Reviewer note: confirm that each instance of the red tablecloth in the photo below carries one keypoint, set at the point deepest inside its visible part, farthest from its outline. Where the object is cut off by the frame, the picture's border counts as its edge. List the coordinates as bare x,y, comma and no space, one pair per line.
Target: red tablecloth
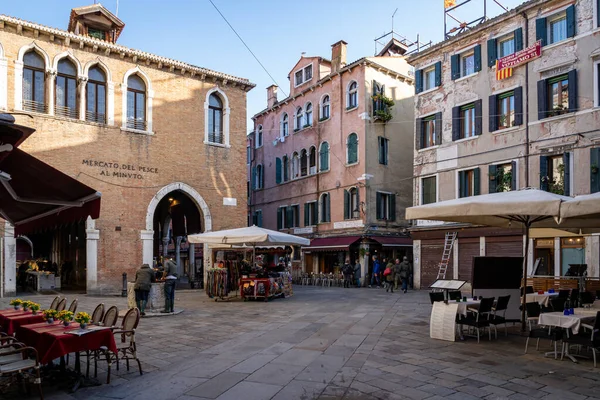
12,319
53,341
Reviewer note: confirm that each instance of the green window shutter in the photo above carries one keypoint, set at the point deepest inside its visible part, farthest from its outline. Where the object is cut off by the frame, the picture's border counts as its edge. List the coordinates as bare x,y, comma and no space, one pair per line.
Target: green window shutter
478,117
518,93
542,98
493,111
418,81
253,178
438,128
477,54
477,181
306,215
571,21
572,90
279,217
315,215
544,173
392,207
513,175
381,150
462,185
418,133
594,177
492,50
567,176
259,220
278,170
518,39
328,209
378,207
289,217
346,204
438,73
455,123
352,149
455,66
261,178
493,183
540,31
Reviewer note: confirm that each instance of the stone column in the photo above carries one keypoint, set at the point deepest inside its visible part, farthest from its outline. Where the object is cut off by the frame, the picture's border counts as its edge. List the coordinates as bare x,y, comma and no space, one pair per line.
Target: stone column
592,248
178,256
455,261
18,71
192,260
110,103
92,236
147,237
417,264
50,86
3,83
557,263
10,261
81,85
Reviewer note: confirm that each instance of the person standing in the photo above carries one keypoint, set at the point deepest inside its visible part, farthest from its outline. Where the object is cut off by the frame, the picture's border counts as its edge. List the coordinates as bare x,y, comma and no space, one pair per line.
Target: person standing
347,270
357,273
390,269
375,277
397,278
405,271
170,275
144,277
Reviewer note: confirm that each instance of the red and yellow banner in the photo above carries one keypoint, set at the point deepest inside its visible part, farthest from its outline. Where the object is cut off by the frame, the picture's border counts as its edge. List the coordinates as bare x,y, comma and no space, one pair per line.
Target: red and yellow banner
449,3
503,73
505,65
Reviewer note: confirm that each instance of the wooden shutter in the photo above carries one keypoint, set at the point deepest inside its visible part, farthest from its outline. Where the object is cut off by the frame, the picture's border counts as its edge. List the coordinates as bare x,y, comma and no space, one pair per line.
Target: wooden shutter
315,215
594,163
438,128
328,209
455,66
289,217
513,175
418,133
478,117
418,81
352,149
477,54
493,182
381,150
571,21
542,97
477,181
540,31
306,215
544,173
518,105
518,39
346,204
567,177
259,220
438,73
492,49
572,90
455,123
378,206
278,170
392,198
461,184
493,111
279,217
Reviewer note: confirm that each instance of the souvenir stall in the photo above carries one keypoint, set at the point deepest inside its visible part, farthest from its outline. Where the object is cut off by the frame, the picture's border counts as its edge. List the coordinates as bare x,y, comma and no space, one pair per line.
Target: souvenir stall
261,283
222,279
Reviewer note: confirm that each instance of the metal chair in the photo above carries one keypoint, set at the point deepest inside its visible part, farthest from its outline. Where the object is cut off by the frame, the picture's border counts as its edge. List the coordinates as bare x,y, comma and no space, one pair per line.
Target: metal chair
496,319
61,304
587,298
554,334
436,296
574,298
480,319
564,293
558,304
586,339
454,295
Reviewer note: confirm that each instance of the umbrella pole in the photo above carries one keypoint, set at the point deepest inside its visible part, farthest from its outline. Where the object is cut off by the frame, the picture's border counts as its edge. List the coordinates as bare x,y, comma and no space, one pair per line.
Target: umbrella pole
254,255
525,259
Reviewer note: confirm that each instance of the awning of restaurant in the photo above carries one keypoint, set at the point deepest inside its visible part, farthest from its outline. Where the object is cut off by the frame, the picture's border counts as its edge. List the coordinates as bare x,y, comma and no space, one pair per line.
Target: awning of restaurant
340,243
34,195
391,241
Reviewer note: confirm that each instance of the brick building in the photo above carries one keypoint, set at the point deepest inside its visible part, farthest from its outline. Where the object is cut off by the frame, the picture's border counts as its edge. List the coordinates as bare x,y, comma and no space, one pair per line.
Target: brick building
332,162
162,140
477,133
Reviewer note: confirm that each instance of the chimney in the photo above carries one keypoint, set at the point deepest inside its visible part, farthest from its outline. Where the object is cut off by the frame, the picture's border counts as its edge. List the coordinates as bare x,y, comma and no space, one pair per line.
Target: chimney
338,56
271,96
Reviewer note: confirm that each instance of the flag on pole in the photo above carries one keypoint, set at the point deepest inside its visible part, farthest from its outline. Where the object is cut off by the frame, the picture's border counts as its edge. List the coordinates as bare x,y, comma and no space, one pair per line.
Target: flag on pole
503,73
449,3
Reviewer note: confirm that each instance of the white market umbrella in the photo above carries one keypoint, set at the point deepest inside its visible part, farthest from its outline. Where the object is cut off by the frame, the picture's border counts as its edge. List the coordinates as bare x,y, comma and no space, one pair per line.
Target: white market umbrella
526,208
582,212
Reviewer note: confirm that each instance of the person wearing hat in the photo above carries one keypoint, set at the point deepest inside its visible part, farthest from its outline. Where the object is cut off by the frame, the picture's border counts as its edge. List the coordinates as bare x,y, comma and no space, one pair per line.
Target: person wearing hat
170,275
144,277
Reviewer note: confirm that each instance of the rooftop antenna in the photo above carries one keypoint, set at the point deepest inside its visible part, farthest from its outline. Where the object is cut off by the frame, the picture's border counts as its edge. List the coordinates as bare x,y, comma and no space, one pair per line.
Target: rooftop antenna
393,22
117,12
451,7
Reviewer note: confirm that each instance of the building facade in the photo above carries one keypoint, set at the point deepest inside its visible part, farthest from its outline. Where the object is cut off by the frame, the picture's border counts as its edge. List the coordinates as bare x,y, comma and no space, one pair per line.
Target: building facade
332,161
479,132
162,140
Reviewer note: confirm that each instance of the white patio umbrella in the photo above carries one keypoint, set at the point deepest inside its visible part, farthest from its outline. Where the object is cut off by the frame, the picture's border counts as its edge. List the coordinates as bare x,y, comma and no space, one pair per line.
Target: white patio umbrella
582,212
525,208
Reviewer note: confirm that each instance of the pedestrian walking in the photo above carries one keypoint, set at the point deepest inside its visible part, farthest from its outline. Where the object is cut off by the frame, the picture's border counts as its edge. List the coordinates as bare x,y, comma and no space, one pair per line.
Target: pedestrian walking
397,277
357,273
405,271
390,276
348,271
375,279
170,282
144,277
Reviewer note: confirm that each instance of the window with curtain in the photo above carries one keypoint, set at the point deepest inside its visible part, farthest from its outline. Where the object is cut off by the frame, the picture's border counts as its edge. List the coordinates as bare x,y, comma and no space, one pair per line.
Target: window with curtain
325,107
352,96
295,165
467,121
429,190
136,103
215,121
95,109
259,136
299,118
66,89
308,115
285,165
34,82
557,28
352,149
285,125
324,157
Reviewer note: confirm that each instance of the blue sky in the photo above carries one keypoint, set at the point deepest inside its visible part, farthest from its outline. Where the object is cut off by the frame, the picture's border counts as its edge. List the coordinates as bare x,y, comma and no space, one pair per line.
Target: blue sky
276,31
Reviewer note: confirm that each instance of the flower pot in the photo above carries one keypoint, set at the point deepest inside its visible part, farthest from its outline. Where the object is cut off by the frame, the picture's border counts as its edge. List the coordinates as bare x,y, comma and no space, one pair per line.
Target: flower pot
25,308
50,320
66,323
34,312
17,307
83,326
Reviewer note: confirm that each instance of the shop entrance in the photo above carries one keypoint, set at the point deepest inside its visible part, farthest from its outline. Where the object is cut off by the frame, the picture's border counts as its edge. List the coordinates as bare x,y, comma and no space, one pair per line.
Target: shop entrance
544,251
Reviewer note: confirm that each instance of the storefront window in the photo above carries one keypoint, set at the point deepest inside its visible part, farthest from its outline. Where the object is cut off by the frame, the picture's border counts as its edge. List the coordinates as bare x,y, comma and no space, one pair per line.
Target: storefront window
544,257
572,253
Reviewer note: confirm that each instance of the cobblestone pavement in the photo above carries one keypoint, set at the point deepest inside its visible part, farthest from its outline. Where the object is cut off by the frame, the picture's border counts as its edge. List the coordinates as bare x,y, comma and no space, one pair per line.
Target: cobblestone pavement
326,343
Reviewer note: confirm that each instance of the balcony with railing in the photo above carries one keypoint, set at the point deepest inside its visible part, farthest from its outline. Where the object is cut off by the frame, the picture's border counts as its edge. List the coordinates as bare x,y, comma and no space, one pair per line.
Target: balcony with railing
137,124
35,106
68,112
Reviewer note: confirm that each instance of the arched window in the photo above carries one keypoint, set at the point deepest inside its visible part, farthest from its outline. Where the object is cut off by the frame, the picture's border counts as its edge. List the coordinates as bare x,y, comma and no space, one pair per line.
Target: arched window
308,114
351,204
34,82
325,208
285,125
66,89
324,157
95,109
136,103
312,160
352,101
352,149
215,121
325,108
295,165
299,118
303,162
286,168
259,177
259,136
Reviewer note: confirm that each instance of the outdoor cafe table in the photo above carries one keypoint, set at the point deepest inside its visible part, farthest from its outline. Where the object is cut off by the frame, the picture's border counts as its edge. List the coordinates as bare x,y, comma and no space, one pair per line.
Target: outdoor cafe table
570,323
543,299
12,319
463,306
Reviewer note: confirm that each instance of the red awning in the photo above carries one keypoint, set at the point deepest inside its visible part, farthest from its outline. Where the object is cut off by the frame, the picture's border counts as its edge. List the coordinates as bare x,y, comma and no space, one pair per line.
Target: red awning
34,195
391,241
339,243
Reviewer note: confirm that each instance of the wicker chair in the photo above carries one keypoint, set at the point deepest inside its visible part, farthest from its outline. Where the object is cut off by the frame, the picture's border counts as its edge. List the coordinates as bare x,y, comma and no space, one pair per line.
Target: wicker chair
110,317
98,314
61,304
54,303
127,351
73,306
20,362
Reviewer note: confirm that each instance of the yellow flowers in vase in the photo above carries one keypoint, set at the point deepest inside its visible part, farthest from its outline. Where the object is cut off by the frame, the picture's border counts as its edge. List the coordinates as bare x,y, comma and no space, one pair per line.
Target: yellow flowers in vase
83,318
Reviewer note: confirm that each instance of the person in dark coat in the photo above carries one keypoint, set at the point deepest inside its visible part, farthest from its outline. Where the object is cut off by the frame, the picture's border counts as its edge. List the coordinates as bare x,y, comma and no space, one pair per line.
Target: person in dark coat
357,273
348,271
170,276
405,271
144,277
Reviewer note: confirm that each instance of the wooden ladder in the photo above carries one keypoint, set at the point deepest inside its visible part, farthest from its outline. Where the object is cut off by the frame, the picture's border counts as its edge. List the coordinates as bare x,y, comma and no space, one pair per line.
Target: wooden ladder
448,244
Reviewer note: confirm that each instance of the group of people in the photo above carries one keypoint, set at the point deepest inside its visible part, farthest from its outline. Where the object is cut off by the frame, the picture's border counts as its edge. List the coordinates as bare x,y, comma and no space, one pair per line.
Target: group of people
146,276
392,274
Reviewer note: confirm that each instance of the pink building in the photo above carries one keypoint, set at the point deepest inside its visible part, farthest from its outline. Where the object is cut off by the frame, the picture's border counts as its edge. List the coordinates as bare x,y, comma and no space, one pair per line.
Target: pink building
333,160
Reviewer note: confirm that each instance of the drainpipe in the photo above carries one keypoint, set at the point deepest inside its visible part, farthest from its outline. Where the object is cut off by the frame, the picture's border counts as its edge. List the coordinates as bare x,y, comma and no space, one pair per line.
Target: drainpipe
526,44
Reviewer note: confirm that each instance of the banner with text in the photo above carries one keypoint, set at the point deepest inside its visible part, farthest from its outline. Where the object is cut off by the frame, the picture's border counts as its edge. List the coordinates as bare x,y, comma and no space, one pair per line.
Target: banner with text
520,57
